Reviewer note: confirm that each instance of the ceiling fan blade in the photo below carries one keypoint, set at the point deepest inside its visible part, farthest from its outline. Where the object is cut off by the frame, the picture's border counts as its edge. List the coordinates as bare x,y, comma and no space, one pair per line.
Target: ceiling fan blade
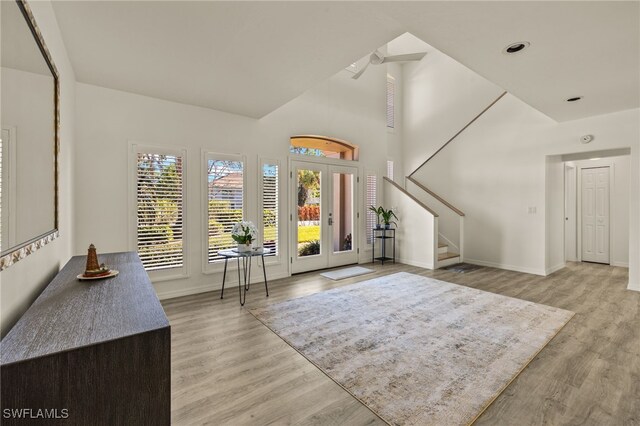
403,58
359,73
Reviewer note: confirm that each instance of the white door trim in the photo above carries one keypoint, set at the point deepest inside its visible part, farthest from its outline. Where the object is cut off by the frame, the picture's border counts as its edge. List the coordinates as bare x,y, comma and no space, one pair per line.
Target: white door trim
570,212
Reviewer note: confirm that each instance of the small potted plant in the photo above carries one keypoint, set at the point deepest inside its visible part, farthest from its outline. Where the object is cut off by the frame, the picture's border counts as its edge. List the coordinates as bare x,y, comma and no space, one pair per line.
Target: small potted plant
244,233
386,218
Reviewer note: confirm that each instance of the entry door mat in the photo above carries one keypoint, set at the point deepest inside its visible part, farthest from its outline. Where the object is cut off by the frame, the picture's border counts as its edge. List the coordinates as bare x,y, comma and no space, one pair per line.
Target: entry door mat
462,268
414,350
340,274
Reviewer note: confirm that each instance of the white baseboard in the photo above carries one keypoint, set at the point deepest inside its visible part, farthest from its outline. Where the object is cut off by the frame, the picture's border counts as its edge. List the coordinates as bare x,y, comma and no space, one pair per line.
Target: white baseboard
620,264
556,268
231,283
415,263
523,269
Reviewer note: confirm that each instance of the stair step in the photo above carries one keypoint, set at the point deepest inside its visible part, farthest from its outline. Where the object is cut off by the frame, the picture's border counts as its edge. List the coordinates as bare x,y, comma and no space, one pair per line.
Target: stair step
440,245
447,255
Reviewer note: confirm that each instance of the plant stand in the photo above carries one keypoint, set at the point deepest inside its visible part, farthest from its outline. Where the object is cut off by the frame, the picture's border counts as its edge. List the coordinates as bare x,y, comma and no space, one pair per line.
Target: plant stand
383,235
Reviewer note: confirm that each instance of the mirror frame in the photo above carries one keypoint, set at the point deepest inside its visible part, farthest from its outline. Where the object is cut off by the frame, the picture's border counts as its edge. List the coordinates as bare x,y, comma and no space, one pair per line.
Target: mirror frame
28,247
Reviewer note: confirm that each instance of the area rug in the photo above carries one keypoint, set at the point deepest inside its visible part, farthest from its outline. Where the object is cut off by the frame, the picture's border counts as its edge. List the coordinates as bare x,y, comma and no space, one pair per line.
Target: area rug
343,273
415,350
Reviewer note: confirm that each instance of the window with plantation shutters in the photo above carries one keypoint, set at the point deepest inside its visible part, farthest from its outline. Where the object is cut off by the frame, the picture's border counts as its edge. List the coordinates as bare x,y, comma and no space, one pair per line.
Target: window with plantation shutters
160,210
270,207
390,169
391,90
371,194
225,203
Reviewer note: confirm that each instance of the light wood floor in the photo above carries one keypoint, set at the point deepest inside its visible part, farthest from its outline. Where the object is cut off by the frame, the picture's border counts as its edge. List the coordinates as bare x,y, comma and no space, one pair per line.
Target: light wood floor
227,368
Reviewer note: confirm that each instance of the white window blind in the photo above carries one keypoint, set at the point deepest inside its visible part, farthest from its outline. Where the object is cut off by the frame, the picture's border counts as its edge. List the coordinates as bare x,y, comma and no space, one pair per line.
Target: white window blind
371,193
390,169
270,208
391,89
160,207
225,199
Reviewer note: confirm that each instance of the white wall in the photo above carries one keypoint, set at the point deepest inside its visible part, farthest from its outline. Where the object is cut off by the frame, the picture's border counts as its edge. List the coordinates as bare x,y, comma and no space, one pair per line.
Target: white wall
415,234
496,170
352,110
440,96
22,283
554,214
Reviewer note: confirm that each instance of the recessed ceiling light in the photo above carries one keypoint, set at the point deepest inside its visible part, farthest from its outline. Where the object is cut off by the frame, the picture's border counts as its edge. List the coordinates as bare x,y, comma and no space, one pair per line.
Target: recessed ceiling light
574,99
515,47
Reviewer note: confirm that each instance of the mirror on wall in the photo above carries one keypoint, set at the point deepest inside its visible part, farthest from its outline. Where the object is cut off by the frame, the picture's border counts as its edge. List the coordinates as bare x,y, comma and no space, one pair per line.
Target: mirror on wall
29,124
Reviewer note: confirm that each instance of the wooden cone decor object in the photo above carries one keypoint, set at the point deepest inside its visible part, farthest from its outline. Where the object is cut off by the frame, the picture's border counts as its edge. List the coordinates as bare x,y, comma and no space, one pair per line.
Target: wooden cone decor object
92,260
93,268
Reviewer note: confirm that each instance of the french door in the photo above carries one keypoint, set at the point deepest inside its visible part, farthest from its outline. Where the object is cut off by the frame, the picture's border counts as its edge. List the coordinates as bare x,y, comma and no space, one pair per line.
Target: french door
323,218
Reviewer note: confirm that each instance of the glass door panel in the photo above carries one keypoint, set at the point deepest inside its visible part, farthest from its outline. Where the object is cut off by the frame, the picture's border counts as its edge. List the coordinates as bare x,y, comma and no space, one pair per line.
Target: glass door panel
343,231
309,236
342,212
309,204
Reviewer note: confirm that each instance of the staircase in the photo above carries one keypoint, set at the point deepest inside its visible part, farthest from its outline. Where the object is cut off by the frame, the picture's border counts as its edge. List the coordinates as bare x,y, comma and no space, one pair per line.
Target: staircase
446,257
430,229
448,220
449,224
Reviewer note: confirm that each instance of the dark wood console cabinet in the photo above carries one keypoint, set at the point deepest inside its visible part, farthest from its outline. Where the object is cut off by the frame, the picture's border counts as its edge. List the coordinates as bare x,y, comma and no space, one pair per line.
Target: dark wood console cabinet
98,349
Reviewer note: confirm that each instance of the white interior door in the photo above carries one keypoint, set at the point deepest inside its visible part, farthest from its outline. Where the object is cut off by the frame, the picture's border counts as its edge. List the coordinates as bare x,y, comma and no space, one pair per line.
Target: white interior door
595,214
323,216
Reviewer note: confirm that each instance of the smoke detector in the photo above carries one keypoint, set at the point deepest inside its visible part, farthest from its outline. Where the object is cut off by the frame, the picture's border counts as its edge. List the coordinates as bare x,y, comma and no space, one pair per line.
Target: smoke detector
586,138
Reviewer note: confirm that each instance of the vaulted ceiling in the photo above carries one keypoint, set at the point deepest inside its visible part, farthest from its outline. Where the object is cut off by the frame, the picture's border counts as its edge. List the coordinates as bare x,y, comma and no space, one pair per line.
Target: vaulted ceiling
250,58
247,58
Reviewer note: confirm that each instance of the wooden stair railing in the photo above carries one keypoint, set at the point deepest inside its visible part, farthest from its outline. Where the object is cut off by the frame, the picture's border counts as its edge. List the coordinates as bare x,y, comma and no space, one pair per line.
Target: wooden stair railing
460,131
408,194
436,196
